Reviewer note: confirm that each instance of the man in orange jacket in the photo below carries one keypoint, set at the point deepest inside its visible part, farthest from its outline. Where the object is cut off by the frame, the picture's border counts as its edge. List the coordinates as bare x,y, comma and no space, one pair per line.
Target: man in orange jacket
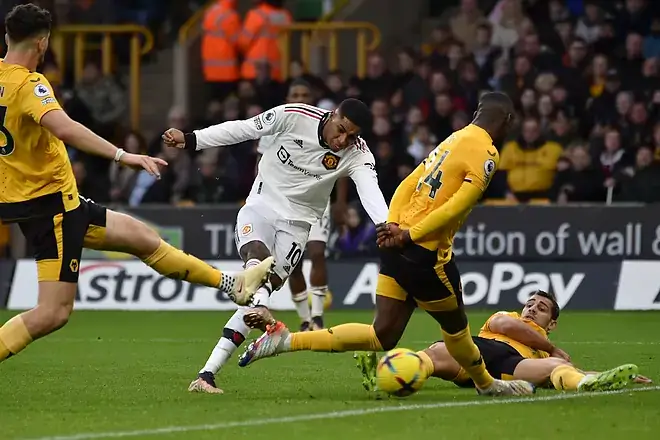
259,38
221,28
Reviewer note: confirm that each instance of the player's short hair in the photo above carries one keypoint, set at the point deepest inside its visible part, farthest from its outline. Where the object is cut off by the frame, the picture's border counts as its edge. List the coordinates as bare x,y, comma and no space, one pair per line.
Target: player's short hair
496,98
495,105
26,21
553,299
357,112
299,82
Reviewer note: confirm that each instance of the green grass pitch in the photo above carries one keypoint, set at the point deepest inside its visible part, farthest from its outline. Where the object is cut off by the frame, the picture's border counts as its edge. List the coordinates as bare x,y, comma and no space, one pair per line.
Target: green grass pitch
125,375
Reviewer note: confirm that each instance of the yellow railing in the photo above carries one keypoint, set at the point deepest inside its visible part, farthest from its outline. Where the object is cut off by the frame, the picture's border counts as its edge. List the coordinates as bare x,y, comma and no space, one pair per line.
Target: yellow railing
137,49
192,28
368,39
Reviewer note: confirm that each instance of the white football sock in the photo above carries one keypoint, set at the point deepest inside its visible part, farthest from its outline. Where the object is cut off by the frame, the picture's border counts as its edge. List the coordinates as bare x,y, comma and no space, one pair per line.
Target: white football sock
302,305
318,299
262,296
226,346
227,282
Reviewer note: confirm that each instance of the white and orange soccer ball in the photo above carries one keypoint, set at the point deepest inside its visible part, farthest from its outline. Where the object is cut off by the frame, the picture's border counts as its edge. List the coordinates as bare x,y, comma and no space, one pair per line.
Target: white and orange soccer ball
399,373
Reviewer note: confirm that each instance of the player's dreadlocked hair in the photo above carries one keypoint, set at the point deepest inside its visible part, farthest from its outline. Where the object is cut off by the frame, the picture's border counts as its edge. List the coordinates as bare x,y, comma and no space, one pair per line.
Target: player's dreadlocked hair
553,299
26,21
357,112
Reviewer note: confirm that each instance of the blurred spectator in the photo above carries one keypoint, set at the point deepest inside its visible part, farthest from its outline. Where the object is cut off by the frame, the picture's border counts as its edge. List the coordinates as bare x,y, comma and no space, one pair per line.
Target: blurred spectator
601,109
270,92
519,79
508,20
412,85
216,181
588,26
357,235
221,27
440,117
123,178
259,38
577,180
614,158
172,184
438,44
379,81
336,90
464,22
642,182
530,162
485,54
652,40
104,98
386,167
423,142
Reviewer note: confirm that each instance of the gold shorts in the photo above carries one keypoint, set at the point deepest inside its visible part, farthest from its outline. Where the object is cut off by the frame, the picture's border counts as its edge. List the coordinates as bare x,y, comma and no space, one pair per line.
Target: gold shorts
57,241
415,273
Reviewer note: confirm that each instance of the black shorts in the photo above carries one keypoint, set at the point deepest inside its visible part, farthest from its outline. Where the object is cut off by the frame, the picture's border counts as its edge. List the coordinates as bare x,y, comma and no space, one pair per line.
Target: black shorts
417,274
57,241
500,359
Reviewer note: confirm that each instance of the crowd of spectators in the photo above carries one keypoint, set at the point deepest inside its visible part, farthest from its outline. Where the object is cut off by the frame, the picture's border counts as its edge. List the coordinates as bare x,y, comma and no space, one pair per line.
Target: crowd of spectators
584,77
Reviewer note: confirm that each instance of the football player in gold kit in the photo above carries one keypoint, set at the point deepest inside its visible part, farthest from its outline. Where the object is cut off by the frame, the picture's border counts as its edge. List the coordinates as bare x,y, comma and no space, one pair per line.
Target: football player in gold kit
38,191
516,346
417,262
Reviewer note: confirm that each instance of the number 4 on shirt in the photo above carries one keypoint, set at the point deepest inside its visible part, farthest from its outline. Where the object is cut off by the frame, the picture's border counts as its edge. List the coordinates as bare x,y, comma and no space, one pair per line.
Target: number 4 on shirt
434,178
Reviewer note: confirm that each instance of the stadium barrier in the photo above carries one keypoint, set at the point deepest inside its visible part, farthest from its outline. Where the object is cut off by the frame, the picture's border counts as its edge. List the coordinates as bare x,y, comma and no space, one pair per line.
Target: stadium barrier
130,285
490,234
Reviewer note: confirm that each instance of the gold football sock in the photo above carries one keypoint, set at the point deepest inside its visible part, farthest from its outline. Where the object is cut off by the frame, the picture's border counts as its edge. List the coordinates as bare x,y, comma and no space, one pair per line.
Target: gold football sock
462,348
566,377
341,338
174,263
461,376
427,364
14,337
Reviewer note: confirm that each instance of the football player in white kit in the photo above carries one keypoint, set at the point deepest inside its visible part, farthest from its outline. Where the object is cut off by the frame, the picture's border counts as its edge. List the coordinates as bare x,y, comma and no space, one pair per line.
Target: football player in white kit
300,91
309,150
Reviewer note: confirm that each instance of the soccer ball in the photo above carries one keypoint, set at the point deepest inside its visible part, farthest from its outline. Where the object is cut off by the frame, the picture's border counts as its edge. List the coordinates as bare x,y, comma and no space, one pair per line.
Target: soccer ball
399,372
327,301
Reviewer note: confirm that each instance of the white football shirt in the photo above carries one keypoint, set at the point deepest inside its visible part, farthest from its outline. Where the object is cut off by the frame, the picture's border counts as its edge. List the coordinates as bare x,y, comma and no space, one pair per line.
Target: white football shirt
296,173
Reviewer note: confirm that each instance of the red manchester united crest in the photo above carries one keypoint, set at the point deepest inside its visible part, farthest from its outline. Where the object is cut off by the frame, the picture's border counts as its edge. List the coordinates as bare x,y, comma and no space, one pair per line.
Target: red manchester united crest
330,161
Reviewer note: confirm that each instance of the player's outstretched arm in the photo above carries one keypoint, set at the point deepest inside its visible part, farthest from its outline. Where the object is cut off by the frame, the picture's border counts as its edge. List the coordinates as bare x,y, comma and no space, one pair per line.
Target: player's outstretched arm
521,332
366,182
84,139
268,123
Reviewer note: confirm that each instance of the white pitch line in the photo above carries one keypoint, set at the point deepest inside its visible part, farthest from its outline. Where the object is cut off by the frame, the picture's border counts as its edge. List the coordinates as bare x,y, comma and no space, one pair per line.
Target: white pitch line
201,340
336,415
